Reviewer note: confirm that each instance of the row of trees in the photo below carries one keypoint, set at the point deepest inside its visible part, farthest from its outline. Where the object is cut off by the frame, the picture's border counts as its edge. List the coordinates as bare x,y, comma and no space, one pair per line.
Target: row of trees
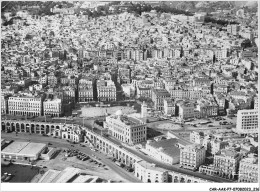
138,8
218,21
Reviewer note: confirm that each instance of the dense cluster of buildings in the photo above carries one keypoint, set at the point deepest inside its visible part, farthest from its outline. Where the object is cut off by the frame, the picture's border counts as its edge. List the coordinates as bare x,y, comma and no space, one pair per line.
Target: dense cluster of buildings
228,151
185,67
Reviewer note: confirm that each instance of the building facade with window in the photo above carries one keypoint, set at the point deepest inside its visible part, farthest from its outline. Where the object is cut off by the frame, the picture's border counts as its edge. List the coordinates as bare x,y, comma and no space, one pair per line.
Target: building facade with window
247,121
127,129
25,105
192,156
150,173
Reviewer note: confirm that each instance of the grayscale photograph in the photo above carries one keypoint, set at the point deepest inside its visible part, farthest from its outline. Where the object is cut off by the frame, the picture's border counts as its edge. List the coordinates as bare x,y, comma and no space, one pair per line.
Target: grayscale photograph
129,92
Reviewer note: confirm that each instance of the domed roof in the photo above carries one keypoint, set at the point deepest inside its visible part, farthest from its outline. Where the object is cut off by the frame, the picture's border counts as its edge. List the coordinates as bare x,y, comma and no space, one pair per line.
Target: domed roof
119,112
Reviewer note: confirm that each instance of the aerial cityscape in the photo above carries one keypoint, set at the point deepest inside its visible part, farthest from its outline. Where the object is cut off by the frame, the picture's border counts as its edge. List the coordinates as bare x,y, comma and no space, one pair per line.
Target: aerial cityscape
129,92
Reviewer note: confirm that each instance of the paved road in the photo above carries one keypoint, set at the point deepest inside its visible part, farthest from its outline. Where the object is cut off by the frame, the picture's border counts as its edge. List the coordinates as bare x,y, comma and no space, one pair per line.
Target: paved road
169,167
62,143
144,157
177,169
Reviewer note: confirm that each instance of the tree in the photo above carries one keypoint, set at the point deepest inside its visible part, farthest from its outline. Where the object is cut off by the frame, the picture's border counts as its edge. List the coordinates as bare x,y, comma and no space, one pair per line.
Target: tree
246,43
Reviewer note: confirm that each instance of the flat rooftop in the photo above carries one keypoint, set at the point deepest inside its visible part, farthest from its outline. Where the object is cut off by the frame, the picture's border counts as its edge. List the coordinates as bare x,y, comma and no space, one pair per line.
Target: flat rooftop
32,148
15,147
168,145
85,179
24,148
66,175
49,176
150,166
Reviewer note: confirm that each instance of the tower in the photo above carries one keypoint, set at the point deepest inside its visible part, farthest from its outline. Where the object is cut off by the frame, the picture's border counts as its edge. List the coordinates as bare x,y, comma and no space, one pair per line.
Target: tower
144,110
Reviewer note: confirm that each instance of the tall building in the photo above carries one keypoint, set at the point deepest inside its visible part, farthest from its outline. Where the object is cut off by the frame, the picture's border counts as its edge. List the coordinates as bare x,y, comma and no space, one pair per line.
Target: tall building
144,110
192,156
25,105
256,103
247,121
186,110
226,162
106,90
248,170
85,90
52,106
169,106
127,129
4,104
158,96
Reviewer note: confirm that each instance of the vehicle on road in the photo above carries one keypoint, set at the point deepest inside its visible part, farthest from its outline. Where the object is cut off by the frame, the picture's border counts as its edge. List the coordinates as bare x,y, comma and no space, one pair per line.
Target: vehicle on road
119,164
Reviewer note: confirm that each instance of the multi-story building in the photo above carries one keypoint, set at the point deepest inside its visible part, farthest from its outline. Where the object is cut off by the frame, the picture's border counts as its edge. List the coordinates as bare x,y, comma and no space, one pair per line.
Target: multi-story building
143,92
106,90
150,173
207,108
186,110
256,103
85,90
233,29
247,122
4,104
69,94
192,156
52,79
248,170
165,150
25,105
127,129
52,106
124,75
158,96
226,163
169,106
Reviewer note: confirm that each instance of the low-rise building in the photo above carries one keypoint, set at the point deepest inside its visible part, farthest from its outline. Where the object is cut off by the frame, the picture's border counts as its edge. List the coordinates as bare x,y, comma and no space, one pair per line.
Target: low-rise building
150,173
165,150
23,151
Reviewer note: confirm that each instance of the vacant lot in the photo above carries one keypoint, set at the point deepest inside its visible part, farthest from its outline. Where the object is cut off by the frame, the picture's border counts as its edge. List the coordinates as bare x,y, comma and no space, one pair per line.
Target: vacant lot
61,162
101,111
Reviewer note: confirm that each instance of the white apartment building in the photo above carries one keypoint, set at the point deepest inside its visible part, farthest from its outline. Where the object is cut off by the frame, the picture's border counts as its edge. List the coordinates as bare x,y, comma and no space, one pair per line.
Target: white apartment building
126,129
192,156
4,106
85,90
247,121
52,106
25,105
106,90
169,106
149,173
248,170
256,103
165,150
186,110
